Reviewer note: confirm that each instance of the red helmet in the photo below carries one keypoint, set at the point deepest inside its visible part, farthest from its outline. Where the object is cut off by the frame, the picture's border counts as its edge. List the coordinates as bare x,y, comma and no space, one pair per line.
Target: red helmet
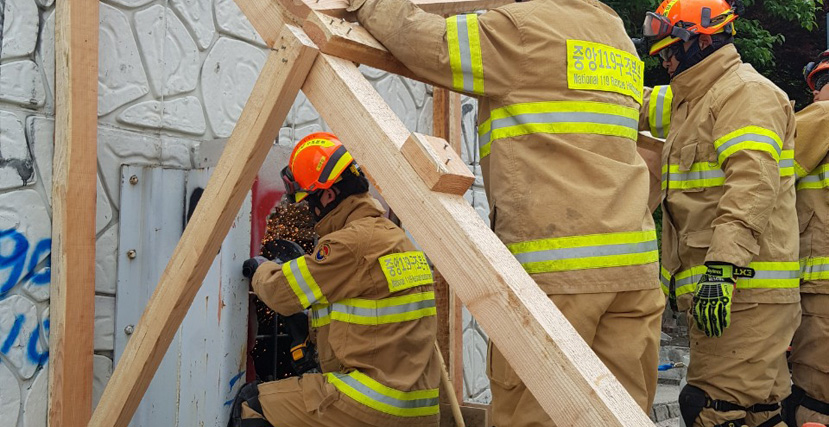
316,163
812,69
677,20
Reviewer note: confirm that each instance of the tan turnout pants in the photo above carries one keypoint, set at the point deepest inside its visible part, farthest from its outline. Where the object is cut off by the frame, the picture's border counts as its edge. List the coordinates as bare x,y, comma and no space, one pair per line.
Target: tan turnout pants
747,364
623,328
810,355
311,401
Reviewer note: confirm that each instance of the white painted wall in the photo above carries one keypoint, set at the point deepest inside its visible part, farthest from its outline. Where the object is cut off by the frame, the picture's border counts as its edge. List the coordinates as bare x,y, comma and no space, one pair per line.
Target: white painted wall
174,76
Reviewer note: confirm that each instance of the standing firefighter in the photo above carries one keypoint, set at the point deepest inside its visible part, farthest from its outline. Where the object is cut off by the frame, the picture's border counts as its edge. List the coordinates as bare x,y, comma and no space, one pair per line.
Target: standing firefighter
559,88
730,244
371,299
810,349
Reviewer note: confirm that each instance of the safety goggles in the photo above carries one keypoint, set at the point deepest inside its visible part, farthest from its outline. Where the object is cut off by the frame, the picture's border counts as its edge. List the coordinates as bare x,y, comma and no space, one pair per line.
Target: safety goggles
667,53
292,188
810,67
658,27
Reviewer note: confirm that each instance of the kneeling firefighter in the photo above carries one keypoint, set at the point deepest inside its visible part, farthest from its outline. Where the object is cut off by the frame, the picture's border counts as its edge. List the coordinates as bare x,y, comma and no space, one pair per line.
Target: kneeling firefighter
371,299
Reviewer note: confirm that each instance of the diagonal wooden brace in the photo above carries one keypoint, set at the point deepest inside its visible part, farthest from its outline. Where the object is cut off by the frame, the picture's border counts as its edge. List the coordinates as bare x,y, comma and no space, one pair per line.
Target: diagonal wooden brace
558,367
278,85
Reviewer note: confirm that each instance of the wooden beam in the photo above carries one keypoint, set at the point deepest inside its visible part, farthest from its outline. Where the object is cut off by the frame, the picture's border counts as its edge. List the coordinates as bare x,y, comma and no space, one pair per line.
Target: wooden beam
351,41
74,186
437,164
561,371
276,88
268,18
336,8
446,123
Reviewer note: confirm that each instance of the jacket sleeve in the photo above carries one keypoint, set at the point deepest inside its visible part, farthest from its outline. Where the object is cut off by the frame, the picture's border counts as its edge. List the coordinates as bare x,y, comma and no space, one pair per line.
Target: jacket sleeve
655,113
812,142
325,275
749,133
467,53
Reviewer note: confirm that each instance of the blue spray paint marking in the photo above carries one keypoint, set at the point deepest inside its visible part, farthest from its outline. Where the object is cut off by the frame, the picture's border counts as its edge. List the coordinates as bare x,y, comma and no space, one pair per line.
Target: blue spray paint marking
236,378
13,333
35,356
15,262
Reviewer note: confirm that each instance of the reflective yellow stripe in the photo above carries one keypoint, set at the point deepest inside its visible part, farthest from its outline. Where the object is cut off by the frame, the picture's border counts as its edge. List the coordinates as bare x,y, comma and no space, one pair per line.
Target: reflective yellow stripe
465,58
701,175
816,268
377,396
302,283
375,312
787,163
767,275
749,138
556,117
586,252
818,179
706,174
800,172
659,110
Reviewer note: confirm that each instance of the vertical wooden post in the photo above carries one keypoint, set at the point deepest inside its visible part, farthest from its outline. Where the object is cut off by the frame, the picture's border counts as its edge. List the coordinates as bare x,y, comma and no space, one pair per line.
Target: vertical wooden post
271,98
73,213
446,124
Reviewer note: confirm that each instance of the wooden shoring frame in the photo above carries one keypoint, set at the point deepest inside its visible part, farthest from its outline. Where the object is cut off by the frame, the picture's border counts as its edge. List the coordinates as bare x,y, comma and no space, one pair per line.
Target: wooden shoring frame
557,366
74,186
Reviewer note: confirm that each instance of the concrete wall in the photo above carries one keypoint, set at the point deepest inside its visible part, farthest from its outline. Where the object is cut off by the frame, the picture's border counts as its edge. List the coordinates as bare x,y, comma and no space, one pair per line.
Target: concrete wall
174,76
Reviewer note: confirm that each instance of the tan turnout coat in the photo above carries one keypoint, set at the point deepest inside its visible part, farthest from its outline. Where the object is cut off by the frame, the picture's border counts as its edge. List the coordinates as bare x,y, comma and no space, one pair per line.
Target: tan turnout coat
372,301
558,84
728,184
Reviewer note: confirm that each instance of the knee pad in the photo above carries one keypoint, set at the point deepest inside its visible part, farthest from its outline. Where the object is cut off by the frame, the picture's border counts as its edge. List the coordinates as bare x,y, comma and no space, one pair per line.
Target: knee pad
692,400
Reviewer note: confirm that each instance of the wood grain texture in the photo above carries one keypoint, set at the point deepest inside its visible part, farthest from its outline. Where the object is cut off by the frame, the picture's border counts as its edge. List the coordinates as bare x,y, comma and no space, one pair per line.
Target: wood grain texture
72,294
437,164
566,377
336,8
276,88
268,17
351,41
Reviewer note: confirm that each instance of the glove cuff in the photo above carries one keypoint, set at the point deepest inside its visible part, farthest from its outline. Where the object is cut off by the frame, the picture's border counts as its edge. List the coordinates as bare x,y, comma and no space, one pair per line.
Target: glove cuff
720,269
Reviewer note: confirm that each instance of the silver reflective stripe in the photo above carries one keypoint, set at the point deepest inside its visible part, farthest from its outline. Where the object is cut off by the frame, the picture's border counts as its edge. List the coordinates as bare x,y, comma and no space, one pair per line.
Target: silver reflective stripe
378,397
466,53
776,274
694,175
660,107
815,268
586,252
753,137
381,311
786,163
483,139
569,117
815,177
300,279
319,312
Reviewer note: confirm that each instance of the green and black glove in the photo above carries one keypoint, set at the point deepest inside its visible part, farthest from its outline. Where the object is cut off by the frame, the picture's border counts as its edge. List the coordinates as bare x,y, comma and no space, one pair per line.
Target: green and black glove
712,298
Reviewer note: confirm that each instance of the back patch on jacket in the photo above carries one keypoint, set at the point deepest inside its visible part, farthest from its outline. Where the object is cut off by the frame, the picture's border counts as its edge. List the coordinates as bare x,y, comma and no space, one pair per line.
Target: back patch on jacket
595,66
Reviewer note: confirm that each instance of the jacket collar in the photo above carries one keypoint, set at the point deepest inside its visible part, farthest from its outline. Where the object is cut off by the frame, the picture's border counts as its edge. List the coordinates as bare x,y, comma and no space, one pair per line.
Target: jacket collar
354,207
698,80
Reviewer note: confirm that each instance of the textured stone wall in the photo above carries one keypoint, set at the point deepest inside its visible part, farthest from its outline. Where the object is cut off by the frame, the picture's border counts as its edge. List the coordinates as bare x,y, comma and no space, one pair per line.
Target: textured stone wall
174,76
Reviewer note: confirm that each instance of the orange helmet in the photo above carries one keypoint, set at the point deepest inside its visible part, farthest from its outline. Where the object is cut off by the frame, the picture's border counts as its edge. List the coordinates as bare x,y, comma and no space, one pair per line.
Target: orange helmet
316,163
817,67
677,20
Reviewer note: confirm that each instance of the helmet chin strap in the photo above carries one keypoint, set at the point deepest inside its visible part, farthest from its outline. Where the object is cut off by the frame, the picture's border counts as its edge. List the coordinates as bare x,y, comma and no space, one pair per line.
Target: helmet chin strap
349,185
694,55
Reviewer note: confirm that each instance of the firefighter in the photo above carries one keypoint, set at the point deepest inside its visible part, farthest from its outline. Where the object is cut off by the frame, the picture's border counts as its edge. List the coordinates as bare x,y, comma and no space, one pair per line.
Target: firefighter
371,298
559,87
809,401
730,244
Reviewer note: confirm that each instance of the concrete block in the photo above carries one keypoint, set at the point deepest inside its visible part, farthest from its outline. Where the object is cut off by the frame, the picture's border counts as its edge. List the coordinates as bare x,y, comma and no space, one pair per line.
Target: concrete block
131,3
673,410
394,92
19,326
102,371
228,75
121,76
103,210
40,132
46,56
661,412
21,83
9,396
36,405
182,115
16,165
233,22
169,53
104,323
25,239
106,261
198,18
20,27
